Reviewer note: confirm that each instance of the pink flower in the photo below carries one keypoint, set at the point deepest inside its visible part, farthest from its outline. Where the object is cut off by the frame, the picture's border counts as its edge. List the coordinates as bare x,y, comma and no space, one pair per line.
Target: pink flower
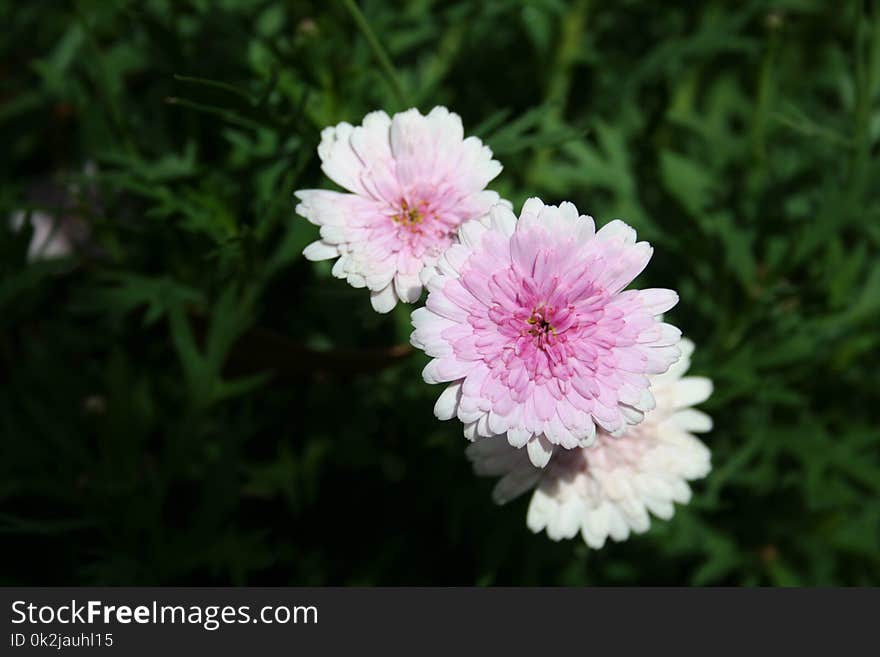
413,180
611,487
529,322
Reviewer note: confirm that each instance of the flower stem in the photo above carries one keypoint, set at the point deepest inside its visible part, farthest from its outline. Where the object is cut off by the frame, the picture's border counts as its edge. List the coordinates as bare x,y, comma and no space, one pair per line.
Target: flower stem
867,44
378,51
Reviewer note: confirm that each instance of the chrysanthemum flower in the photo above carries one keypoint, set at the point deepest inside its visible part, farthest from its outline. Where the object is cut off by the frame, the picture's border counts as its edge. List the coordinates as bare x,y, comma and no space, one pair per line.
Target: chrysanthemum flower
529,322
50,239
413,180
609,489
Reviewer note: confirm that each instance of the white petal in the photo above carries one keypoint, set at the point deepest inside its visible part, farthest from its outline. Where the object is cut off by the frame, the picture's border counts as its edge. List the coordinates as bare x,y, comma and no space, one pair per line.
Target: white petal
503,219
518,436
687,347
657,300
540,451
371,139
471,232
589,436
568,212
445,370
662,508
541,508
637,515
379,280
428,272
567,522
446,125
594,528
338,159
384,300
691,419
408,287
631,415
532,208
447,404
320,251
618,528
454,258
333,234
619,230
338,270
646,400
681,492
498,424
680,366
586,228
692,390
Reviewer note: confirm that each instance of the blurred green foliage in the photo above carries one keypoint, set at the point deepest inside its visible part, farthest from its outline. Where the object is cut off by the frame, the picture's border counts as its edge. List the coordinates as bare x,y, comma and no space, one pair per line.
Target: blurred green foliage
186,400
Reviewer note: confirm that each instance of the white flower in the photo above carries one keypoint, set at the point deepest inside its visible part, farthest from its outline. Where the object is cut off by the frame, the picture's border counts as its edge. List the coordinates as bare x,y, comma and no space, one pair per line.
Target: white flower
413,180
60,235
609,488
50,239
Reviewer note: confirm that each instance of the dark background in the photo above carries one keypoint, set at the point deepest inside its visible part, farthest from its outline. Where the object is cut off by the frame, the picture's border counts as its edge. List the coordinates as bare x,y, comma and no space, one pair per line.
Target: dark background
185,400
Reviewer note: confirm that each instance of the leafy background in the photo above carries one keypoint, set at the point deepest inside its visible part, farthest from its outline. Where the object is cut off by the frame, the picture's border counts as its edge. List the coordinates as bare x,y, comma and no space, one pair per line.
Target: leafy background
186,400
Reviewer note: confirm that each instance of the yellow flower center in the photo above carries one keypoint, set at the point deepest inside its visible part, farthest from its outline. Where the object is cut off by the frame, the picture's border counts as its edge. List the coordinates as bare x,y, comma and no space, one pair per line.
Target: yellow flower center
409,216
538,323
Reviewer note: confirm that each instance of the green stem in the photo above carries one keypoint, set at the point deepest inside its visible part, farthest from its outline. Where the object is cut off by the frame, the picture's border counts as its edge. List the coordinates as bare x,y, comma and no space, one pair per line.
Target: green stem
440,64
572,28
865,74
765,91
379,52
216,84
559,84
223,113
104,87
